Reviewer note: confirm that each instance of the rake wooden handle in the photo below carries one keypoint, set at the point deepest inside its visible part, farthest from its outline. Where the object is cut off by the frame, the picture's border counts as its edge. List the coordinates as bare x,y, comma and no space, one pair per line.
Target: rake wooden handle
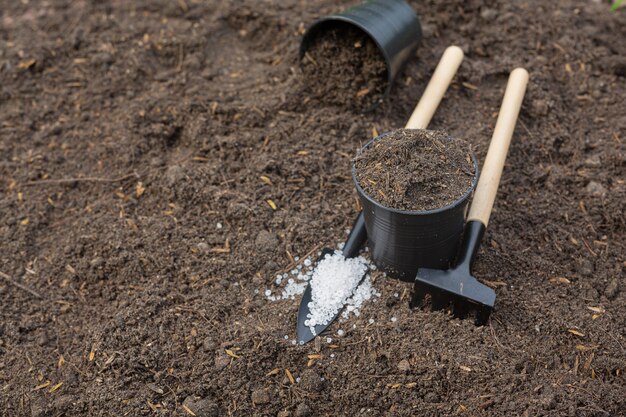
487,187
436,88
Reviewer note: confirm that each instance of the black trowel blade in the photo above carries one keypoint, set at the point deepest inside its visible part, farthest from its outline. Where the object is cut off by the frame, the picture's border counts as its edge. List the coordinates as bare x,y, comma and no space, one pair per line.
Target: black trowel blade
305,335
356,239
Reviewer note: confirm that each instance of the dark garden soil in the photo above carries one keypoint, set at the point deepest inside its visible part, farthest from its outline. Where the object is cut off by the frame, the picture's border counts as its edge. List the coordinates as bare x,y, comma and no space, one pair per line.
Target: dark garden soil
344,67
414,169
157,170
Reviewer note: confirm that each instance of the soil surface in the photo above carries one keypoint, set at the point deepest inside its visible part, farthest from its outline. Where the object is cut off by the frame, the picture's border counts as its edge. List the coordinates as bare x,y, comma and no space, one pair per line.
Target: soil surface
416,170
157,169
343,66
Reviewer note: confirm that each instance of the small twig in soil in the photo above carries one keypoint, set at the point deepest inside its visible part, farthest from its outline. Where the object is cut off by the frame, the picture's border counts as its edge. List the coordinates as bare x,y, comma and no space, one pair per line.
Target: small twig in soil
356,343
11,281
574,386
290,256
310,58
495,338
302,258
86,179
612,337
589,248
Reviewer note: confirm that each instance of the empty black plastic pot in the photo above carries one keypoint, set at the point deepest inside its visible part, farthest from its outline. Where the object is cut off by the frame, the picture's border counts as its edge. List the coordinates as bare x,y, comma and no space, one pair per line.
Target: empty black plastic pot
391,24
402,241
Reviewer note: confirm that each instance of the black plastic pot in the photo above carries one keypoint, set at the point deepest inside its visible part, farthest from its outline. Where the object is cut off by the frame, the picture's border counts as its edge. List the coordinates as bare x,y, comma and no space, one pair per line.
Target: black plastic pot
402,241
391,24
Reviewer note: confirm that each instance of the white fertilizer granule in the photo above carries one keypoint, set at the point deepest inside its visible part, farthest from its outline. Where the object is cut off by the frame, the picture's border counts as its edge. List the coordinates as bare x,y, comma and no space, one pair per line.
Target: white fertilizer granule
335,283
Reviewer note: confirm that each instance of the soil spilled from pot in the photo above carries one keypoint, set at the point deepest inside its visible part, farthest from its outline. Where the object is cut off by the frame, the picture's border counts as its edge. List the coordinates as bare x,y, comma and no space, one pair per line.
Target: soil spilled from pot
416,169
344,67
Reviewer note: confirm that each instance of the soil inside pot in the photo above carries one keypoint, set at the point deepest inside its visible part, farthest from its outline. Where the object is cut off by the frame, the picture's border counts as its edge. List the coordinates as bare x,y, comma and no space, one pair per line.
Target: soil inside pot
415,170
344,67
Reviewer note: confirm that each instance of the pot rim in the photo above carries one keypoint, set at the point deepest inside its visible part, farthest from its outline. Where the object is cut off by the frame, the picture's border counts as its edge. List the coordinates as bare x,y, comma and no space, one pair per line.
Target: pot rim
450,206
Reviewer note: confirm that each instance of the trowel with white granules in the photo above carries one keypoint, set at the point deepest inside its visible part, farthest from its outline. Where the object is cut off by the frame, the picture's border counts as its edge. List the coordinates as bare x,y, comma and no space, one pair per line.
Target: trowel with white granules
324,299
306,331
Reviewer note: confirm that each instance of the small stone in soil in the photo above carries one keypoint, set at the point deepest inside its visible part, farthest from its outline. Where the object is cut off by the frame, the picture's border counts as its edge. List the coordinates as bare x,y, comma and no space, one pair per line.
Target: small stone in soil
303,410
208,344
174,175
201,407
265,241
431,397
260,396
221,361
612,289
595,189
310,381
404,365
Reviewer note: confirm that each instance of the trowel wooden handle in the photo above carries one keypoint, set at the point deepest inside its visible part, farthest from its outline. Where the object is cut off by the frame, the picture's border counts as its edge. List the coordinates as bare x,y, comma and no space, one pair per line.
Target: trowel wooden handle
487,187
436,88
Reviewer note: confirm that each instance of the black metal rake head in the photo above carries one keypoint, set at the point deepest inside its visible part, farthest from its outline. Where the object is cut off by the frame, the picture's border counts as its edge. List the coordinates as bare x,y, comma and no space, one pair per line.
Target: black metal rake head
456,287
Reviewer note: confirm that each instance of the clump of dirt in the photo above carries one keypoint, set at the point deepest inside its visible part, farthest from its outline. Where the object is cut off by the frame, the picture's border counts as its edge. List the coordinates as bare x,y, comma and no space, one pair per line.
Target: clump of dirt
416,170
343,66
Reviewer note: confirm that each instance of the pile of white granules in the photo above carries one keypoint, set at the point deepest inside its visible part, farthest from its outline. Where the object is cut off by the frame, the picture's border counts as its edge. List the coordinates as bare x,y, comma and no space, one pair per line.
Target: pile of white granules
335,282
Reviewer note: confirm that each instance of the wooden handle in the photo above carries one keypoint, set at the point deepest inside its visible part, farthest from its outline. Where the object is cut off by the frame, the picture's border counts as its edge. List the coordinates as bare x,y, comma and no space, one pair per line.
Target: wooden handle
487,187
436,88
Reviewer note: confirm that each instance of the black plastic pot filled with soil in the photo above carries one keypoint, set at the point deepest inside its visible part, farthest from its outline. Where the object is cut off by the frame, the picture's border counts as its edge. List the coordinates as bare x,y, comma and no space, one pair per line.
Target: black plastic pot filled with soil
414,186
352,58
